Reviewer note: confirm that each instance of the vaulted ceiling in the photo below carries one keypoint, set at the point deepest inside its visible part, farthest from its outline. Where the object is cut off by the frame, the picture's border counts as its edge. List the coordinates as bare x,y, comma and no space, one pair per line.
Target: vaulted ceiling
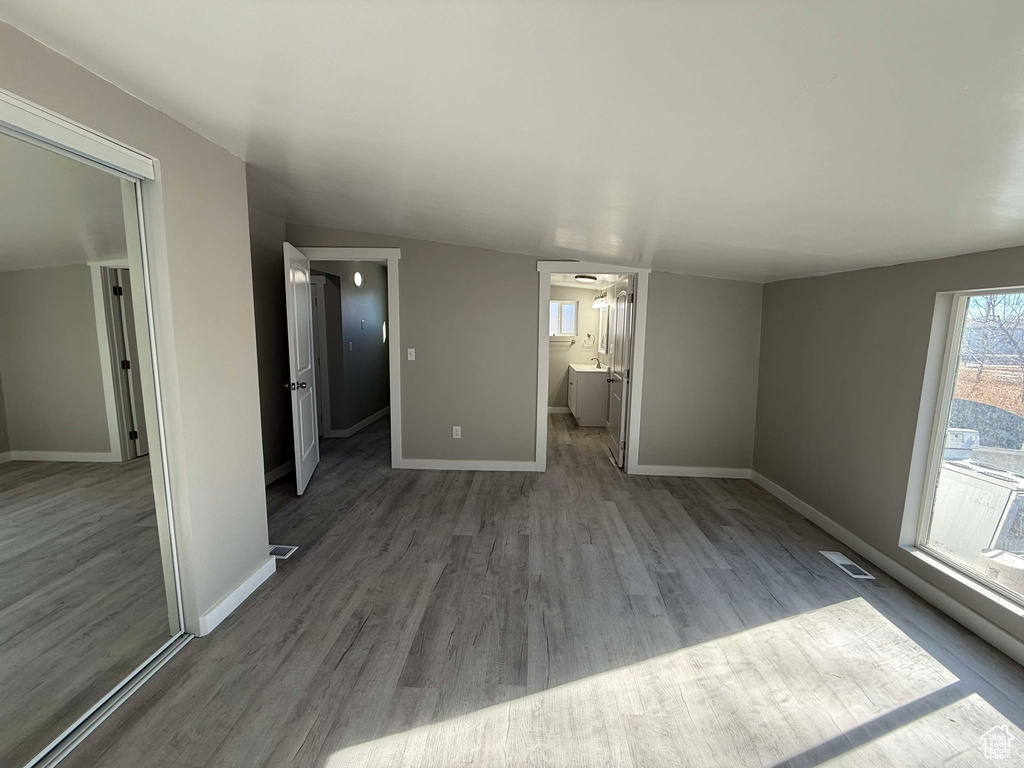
754,139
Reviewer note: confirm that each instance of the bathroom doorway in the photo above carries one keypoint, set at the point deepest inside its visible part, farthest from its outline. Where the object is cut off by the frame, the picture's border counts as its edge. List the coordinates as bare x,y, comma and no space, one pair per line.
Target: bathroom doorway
592,324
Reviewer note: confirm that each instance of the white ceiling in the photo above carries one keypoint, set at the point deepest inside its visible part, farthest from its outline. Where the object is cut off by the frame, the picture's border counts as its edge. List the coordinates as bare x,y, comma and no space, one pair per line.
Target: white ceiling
751,139
56,211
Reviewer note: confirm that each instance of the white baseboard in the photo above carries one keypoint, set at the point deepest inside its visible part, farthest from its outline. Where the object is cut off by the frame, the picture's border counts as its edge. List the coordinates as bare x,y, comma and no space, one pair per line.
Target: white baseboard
975,622
223,607
5,457
63,456
667,471
468,464
278,472
558,409
356,427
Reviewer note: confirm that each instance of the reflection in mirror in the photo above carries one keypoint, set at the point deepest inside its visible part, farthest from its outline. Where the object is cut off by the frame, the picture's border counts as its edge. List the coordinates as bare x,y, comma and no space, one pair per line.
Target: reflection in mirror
87,591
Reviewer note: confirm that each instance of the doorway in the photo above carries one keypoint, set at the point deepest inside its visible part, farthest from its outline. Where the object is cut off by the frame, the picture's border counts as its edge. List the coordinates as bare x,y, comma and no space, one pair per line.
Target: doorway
342,316
591,332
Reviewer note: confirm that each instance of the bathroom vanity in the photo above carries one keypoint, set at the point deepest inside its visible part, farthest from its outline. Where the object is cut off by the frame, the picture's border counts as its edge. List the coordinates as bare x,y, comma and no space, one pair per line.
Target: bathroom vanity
588,394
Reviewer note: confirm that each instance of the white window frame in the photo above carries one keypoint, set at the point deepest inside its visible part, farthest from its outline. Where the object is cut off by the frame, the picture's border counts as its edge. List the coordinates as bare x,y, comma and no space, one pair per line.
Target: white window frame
943,404
576,319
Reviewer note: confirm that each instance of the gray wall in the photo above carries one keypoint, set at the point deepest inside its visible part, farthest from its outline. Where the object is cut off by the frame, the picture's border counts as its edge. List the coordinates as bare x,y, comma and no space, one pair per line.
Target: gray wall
470,314
204,300
842,365
5,443
50,361
561,353
700,372
266,235
358,376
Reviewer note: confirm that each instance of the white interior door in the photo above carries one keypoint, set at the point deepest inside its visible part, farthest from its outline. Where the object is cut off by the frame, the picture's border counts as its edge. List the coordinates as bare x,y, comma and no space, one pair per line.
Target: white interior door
622,345
302,378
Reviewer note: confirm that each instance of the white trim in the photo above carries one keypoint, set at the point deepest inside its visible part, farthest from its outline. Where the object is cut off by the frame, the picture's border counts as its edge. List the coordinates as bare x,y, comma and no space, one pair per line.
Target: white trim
5,457
24,117
940,415
975,622
83,456
223,607
391,256
471,465
559,409
669,471
103,334
643,274
278,472
317,285
358,426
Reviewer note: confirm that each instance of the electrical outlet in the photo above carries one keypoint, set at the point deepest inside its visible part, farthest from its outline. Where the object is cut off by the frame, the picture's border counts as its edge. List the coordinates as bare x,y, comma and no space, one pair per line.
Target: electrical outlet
350,346
362,323
412,354
456,433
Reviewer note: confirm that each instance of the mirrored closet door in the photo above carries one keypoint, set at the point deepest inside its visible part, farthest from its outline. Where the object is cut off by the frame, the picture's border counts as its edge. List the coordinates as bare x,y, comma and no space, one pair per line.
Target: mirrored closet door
88,593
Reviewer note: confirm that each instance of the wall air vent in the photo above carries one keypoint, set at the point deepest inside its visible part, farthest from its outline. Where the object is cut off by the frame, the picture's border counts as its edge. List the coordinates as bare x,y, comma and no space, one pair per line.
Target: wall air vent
851,568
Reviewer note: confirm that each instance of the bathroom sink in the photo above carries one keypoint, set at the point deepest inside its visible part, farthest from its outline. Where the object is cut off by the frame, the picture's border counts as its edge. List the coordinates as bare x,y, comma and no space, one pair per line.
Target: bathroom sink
585,368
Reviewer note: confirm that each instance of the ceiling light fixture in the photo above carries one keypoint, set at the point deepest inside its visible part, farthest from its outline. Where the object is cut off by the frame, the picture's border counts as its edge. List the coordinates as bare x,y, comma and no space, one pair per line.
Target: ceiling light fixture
586,279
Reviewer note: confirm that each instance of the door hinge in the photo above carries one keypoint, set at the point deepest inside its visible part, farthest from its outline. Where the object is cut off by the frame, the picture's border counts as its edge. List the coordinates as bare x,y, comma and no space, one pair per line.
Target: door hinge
627,374
126,365
133,435
631,298
118,290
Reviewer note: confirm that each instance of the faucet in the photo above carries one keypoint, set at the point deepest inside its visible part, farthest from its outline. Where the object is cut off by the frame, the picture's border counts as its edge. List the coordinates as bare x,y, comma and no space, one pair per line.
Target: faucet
597,360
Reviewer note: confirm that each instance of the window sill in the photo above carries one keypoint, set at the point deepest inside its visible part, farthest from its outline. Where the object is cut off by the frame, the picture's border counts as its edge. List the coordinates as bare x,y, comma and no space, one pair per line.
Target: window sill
974,585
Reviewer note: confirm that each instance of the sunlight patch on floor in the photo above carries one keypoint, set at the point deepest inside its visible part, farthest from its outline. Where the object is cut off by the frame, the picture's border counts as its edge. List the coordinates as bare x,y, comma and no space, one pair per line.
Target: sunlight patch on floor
751,698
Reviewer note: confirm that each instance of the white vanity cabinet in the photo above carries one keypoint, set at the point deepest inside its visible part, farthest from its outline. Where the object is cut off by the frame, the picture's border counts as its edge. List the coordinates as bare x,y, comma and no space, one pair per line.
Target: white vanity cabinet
588,395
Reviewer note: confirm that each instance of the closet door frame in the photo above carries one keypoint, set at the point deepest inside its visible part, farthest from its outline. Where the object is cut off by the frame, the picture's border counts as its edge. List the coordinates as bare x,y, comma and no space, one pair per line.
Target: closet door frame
26,121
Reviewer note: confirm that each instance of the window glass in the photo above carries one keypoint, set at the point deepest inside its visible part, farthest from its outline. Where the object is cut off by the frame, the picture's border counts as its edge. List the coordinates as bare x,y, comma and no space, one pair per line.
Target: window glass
976,518
568,318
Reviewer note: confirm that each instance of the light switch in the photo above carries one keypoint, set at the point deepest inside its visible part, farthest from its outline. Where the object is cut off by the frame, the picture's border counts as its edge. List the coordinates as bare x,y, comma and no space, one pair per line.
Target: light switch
350,346
412,354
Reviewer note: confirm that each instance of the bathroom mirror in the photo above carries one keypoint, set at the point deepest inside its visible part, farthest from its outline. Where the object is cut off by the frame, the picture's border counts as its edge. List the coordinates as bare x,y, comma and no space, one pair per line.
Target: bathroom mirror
602,331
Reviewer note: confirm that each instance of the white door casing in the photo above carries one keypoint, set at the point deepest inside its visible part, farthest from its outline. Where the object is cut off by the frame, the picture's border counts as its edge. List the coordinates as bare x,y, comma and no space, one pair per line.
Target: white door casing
323,388
621,343
302,372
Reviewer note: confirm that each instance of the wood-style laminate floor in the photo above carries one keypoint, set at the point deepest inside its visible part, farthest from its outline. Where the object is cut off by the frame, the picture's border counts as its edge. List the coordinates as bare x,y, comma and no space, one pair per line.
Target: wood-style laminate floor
82,599
578,617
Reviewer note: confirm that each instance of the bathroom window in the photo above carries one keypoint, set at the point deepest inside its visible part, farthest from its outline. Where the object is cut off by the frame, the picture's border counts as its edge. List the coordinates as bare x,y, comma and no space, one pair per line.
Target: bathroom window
562,319
973,512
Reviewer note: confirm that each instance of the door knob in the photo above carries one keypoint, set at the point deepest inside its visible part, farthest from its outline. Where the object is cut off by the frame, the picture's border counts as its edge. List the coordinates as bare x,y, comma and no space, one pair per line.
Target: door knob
296,385
302,385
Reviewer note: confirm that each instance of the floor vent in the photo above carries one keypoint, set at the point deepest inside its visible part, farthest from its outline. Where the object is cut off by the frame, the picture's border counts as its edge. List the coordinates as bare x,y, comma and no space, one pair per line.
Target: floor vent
851,568
281,551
